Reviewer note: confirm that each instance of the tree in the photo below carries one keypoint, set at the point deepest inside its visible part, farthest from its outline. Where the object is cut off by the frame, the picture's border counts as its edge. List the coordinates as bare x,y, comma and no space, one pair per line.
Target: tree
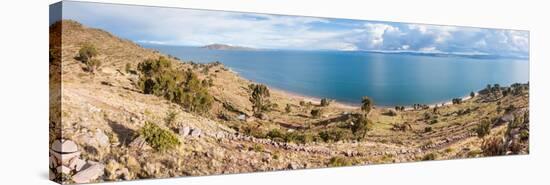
367,104
259,98
86,54
316,113
325,102
484,128
361,126
288,108
158,77
472,94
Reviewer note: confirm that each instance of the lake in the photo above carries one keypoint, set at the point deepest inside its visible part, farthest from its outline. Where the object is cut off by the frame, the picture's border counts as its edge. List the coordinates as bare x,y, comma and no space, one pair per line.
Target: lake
389,79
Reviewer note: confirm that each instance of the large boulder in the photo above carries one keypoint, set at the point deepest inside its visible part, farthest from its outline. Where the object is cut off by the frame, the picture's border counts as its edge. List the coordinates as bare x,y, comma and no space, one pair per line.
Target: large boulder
89,174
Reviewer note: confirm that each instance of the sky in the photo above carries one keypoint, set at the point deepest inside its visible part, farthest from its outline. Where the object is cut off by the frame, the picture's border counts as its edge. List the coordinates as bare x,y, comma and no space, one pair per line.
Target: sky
187,27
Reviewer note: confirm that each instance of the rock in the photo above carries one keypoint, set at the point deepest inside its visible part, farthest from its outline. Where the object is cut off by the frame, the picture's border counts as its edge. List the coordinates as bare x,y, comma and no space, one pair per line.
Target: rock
292,166
133,164
77,164
139,143
184,131
89,174
52,175
196,132
64,146
241,117
101,138
63,169
264,116
220,135
53,162
124,172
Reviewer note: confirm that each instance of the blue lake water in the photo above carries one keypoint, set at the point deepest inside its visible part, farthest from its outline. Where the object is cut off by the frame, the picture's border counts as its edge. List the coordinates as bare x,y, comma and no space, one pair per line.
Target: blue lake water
346,76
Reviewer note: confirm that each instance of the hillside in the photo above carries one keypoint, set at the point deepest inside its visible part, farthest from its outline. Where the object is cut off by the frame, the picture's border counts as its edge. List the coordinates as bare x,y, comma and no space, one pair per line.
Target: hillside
230,138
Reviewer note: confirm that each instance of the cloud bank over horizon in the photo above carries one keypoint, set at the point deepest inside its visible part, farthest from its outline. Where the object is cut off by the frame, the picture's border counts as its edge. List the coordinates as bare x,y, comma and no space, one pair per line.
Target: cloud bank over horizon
174,26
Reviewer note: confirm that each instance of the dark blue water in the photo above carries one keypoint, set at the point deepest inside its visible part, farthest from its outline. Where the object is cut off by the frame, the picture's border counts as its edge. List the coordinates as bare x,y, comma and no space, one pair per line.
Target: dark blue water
346,76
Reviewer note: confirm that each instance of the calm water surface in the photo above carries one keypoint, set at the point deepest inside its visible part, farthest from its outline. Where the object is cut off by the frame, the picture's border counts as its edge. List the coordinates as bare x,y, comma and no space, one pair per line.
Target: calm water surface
346,76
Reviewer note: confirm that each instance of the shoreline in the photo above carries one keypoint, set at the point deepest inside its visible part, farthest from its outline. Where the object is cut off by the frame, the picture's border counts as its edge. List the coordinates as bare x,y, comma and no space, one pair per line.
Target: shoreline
317,100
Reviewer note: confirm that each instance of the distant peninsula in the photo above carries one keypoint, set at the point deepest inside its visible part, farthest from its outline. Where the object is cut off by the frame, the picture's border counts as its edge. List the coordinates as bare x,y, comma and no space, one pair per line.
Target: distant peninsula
225,47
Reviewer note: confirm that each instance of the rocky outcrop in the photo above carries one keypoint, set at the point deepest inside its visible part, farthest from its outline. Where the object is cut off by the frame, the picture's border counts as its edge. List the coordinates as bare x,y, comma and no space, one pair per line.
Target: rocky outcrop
65,162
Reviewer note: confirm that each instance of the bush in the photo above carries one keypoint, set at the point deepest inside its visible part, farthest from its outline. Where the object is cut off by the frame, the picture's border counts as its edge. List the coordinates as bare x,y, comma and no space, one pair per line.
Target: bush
158,138
339,161
258,148
128,67
288,108
171,118
92,65
259,98
483,128
86,54
275,133
333,135
493,146
429,157
316,113
366,104
325,102
158,77
428,129
361,126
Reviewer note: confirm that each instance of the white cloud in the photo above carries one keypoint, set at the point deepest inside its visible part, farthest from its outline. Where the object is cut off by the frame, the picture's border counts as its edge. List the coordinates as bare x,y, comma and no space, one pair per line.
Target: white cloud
198,27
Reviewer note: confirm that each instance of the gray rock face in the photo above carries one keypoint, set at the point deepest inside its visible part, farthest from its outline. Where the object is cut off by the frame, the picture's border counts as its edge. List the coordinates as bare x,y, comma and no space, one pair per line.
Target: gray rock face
63,169
184,131
196,132
77,164
139,143
52,175
64,146
89,174
292,166
101,138
241,117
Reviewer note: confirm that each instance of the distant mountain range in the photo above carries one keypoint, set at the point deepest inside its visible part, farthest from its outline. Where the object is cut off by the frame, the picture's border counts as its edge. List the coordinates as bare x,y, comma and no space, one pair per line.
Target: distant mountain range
226,47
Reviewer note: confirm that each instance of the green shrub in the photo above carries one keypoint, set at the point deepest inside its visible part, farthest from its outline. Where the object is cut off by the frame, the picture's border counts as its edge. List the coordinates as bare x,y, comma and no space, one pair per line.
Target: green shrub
275,133
428,129
333,135
325,102
158,77
429,157
493,146
483,128
86,54
258,148
171,118
92,65
259,98
339,161
128,67
361,126
316,113
288,108
159,138
366,104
